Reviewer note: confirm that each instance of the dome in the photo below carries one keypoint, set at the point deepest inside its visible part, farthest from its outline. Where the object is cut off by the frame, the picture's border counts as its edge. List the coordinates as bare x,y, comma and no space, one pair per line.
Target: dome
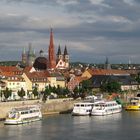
40,63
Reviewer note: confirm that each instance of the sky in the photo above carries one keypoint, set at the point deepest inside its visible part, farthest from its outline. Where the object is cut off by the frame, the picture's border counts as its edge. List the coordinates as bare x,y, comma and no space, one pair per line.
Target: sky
91,29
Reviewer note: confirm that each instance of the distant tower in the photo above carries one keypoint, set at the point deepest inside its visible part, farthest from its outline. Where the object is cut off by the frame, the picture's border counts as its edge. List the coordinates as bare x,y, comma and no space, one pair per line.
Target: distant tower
130,66
59,54
51,52
107,64
66,57
30,56
24,57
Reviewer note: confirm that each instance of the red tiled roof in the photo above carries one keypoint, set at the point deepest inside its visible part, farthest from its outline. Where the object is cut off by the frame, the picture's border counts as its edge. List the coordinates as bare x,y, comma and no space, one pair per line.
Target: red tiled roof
10,76
7,74
108,72
38,76
27,69
8,68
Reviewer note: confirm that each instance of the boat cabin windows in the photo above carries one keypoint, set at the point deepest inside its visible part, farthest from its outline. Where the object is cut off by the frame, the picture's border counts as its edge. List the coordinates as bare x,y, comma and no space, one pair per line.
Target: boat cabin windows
88,111
100,105
76,105
30,111
133,103
106,105
82,105
24,112
134,100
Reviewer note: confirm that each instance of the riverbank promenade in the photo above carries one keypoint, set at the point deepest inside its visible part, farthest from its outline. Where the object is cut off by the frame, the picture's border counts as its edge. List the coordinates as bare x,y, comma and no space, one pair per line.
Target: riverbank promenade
49,107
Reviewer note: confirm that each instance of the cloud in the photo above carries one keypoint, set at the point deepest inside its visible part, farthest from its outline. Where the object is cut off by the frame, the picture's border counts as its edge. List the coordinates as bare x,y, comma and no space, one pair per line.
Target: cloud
93,28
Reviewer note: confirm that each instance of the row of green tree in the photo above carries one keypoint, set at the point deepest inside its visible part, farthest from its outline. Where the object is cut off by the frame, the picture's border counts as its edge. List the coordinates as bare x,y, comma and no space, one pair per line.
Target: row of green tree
59,91
8,93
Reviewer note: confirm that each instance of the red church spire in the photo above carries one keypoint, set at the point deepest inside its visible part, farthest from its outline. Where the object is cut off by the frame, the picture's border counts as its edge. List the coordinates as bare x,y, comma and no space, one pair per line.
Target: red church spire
52,60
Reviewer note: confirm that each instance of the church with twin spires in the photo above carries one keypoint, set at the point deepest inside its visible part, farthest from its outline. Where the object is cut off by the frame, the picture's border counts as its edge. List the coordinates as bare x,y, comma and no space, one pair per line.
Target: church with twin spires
52,61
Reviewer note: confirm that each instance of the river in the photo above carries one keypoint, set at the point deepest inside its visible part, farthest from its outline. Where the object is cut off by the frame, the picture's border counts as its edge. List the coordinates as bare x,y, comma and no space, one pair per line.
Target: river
122,126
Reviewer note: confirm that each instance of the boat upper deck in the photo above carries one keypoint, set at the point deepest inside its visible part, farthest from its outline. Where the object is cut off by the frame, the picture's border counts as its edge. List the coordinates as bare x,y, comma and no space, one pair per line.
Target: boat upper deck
25,108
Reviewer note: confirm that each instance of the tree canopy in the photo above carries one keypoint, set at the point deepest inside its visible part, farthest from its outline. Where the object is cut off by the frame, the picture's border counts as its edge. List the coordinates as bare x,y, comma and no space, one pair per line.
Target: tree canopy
21,93
111,86
35,92
7,93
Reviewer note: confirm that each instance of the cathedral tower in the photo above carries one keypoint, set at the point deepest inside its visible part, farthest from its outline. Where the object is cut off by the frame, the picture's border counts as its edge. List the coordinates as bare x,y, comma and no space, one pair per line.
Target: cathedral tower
62,59
51,52
59,54
30,56
107,64
24,57
66,57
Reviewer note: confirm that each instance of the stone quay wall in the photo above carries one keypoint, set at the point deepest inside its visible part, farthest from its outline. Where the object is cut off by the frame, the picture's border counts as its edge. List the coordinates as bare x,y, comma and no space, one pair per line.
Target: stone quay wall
49,107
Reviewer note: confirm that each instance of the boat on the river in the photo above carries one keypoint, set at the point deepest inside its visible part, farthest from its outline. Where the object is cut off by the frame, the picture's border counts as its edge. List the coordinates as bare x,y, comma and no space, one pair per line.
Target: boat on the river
105,108
25,114
134,104
82,109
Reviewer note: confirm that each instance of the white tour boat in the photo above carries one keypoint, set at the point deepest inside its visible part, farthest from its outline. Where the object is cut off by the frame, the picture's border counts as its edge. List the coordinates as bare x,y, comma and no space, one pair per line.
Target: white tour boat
106,108
82,109
24,114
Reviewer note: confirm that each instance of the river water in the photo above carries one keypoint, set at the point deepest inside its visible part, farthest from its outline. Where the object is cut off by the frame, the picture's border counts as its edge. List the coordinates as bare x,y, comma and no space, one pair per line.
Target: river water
122,126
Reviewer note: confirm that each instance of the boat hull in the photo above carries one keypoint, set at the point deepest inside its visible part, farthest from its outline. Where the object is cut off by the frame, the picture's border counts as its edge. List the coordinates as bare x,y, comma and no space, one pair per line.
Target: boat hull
17,122
132,108
103,113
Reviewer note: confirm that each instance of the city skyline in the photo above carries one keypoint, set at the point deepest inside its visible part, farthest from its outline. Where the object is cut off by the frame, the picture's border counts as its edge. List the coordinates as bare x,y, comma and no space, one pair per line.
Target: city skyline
91,29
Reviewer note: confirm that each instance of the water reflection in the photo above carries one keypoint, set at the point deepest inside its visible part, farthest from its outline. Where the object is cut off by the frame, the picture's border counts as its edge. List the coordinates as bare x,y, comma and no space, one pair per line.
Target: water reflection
81,119
133,113
121,126
111,117
18,132
88,119
1,124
